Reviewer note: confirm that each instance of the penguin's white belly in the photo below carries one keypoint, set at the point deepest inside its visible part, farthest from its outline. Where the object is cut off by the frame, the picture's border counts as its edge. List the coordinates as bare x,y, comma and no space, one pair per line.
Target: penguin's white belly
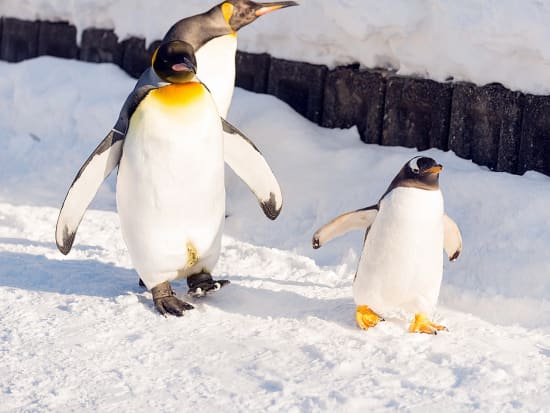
216,69
170,189
401,266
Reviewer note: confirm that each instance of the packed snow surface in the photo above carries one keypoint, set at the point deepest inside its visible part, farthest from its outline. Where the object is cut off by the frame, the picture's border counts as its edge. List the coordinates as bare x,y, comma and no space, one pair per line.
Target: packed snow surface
78,334
486,41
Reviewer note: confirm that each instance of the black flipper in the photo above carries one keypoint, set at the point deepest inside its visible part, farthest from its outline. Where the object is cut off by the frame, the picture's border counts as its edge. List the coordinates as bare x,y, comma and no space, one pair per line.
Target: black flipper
103,160
248,163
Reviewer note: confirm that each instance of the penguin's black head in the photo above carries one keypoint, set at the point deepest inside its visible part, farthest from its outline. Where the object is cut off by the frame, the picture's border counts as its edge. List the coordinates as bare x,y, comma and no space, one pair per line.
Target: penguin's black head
423,170
420,172
239,13
175,62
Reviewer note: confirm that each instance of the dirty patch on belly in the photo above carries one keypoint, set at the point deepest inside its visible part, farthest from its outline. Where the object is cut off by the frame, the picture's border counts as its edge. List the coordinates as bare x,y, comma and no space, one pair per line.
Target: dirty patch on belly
192,254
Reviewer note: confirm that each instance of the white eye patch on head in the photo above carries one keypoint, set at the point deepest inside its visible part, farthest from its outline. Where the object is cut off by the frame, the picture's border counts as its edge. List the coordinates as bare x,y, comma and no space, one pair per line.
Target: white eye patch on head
413,164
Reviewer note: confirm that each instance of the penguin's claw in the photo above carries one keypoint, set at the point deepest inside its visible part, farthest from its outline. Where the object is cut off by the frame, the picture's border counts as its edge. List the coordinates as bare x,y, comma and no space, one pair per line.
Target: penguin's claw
421,324
202,284
203,289
166,301
366,318
172,305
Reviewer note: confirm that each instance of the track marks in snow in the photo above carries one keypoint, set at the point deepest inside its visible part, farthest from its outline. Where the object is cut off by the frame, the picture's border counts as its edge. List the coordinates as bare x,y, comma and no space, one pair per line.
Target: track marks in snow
78,333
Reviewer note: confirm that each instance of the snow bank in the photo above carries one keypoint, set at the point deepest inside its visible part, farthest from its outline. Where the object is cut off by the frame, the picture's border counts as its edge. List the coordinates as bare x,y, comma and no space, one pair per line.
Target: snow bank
502,41
52,113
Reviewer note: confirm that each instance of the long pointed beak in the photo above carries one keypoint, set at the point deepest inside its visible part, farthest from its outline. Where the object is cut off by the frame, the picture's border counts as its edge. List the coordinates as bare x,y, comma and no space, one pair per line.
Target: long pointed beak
433,170
269,7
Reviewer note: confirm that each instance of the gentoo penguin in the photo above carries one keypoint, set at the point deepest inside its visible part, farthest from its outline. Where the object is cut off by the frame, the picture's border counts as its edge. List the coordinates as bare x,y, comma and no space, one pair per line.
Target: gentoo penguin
401,265
170,184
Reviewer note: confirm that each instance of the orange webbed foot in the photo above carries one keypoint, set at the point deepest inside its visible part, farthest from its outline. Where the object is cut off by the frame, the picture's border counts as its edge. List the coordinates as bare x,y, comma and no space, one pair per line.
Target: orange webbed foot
366,318
422,324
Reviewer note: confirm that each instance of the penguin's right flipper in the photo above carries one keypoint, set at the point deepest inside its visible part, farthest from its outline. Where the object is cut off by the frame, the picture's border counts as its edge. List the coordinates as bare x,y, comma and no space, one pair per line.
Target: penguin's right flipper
360,219
84,187
452,240
91,175
249,164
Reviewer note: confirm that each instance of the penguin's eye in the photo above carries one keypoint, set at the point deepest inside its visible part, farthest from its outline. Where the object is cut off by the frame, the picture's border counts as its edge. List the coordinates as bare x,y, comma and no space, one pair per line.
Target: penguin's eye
415,170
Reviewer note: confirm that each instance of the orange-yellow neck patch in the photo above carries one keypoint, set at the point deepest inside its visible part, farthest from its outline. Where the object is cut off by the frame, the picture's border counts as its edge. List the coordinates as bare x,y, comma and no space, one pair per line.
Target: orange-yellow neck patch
227,11
154,57
179,93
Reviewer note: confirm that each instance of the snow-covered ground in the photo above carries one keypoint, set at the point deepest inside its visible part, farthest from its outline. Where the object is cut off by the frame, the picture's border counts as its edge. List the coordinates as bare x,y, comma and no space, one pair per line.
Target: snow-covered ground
485,41
78,334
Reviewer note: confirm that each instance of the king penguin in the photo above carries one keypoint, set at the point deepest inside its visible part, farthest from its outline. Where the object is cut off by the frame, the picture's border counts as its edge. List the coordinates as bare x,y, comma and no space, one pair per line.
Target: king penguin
401,265
170,184
213,36
170,187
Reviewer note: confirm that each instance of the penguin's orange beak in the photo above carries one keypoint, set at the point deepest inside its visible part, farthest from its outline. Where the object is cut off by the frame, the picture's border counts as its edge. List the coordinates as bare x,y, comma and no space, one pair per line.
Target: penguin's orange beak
433,170
269,7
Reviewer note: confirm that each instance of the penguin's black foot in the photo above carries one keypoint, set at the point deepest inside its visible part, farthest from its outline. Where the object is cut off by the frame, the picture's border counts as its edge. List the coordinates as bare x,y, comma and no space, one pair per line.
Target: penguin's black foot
142,284
202,284
166,301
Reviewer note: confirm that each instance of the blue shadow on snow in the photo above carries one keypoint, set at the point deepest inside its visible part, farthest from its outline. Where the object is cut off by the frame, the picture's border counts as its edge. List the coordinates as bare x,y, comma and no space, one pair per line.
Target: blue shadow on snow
83,277
93,278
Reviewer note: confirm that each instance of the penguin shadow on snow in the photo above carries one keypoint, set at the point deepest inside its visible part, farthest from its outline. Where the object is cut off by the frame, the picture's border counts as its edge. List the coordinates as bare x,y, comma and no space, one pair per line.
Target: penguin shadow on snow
92,278
269,304
266,303
82,277
33,243
279,282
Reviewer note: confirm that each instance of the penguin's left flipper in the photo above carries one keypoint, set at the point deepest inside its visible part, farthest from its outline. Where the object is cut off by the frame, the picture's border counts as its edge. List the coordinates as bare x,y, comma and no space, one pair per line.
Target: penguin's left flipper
248,163
360,219
452,240
103,160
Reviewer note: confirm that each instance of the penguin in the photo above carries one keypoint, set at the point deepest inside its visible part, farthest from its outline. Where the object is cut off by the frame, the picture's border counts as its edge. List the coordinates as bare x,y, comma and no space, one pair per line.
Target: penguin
170,185
212,35
401,265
